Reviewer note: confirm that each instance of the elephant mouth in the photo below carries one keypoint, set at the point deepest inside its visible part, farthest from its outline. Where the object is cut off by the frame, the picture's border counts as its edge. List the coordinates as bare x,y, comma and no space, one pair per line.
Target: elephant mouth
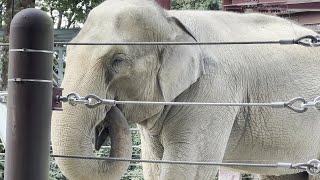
101,133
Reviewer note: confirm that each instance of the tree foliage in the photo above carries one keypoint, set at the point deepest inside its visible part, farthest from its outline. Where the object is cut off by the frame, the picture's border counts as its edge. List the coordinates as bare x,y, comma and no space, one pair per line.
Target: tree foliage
5,20
2,13
196,4
72,13
68,13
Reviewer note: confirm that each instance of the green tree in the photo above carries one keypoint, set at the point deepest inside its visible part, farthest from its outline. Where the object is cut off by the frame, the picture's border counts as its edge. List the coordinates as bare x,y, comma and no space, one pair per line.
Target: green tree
196,4
68,13
2,13
6,17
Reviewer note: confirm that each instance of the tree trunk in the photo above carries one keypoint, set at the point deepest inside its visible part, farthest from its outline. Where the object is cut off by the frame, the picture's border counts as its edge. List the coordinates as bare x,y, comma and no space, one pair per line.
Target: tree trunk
71,20
59,19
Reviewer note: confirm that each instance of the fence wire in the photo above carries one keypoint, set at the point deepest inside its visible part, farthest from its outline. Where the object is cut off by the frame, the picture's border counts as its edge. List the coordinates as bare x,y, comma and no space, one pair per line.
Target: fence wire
93,101
312,166
309,41
171,162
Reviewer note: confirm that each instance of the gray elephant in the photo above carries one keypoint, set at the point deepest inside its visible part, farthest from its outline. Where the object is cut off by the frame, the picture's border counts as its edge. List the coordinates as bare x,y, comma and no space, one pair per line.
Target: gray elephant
185,73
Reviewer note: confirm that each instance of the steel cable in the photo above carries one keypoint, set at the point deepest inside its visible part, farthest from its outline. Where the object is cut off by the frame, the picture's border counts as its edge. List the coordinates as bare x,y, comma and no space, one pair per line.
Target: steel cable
164,161
312,166
93,101
309,40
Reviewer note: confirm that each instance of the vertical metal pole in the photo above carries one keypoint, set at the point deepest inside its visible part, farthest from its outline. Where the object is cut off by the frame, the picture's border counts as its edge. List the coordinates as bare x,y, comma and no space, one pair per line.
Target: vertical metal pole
29,96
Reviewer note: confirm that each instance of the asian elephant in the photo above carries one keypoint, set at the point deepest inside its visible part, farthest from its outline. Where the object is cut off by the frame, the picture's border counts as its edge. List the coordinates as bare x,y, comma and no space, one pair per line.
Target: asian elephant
188,73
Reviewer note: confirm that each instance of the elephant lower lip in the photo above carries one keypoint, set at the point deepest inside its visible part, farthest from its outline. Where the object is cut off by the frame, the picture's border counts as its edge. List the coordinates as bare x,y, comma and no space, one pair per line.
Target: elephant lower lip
101,134
101,130
100,137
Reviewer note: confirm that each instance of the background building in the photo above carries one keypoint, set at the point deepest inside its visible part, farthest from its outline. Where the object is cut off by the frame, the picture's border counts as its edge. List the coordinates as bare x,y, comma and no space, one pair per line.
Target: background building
306,12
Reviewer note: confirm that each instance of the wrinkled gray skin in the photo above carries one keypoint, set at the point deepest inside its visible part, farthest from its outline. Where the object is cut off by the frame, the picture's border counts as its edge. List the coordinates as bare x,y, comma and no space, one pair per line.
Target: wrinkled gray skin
75,141
224,73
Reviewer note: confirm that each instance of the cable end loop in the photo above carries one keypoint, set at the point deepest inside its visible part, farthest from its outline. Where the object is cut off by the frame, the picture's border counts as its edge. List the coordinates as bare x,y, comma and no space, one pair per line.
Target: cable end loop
309,41
291,105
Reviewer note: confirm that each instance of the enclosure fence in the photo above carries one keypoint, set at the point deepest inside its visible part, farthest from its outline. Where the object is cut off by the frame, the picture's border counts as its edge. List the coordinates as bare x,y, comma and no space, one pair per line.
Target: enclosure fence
31,42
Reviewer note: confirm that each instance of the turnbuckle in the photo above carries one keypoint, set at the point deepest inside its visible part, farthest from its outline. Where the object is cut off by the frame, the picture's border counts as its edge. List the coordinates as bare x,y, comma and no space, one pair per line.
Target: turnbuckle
312,167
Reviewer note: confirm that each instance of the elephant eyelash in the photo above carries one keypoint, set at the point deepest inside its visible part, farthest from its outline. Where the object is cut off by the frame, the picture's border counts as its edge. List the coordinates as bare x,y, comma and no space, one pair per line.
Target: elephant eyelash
118,58
117,61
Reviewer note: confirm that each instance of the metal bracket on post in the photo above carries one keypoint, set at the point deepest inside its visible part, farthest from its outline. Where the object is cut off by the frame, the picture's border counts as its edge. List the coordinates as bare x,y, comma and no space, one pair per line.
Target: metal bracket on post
56,103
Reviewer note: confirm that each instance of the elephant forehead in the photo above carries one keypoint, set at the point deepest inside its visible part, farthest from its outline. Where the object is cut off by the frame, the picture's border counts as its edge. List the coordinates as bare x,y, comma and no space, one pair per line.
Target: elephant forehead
102,25
93,34
113,21
108,12
128,20
86,54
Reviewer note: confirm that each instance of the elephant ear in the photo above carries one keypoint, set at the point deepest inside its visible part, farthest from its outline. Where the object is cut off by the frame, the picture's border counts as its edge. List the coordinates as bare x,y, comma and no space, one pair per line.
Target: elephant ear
181,65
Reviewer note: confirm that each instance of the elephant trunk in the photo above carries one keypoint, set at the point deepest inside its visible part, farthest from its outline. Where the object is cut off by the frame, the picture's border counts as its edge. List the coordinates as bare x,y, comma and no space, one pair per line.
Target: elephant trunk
71,135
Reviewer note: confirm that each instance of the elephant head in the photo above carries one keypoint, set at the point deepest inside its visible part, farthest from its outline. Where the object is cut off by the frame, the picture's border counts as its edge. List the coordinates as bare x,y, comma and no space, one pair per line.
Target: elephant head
144,73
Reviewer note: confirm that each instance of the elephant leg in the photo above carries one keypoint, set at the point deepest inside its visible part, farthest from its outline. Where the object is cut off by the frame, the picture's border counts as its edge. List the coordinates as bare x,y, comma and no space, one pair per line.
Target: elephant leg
188,153
151,149
178,171
298,176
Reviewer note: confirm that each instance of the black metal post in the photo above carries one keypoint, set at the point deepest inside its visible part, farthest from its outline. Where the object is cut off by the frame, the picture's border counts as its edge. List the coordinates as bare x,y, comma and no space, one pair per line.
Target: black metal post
29,96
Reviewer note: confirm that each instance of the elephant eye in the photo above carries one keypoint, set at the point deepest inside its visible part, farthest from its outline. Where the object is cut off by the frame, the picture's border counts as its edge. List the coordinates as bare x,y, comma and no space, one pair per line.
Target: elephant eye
118,61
